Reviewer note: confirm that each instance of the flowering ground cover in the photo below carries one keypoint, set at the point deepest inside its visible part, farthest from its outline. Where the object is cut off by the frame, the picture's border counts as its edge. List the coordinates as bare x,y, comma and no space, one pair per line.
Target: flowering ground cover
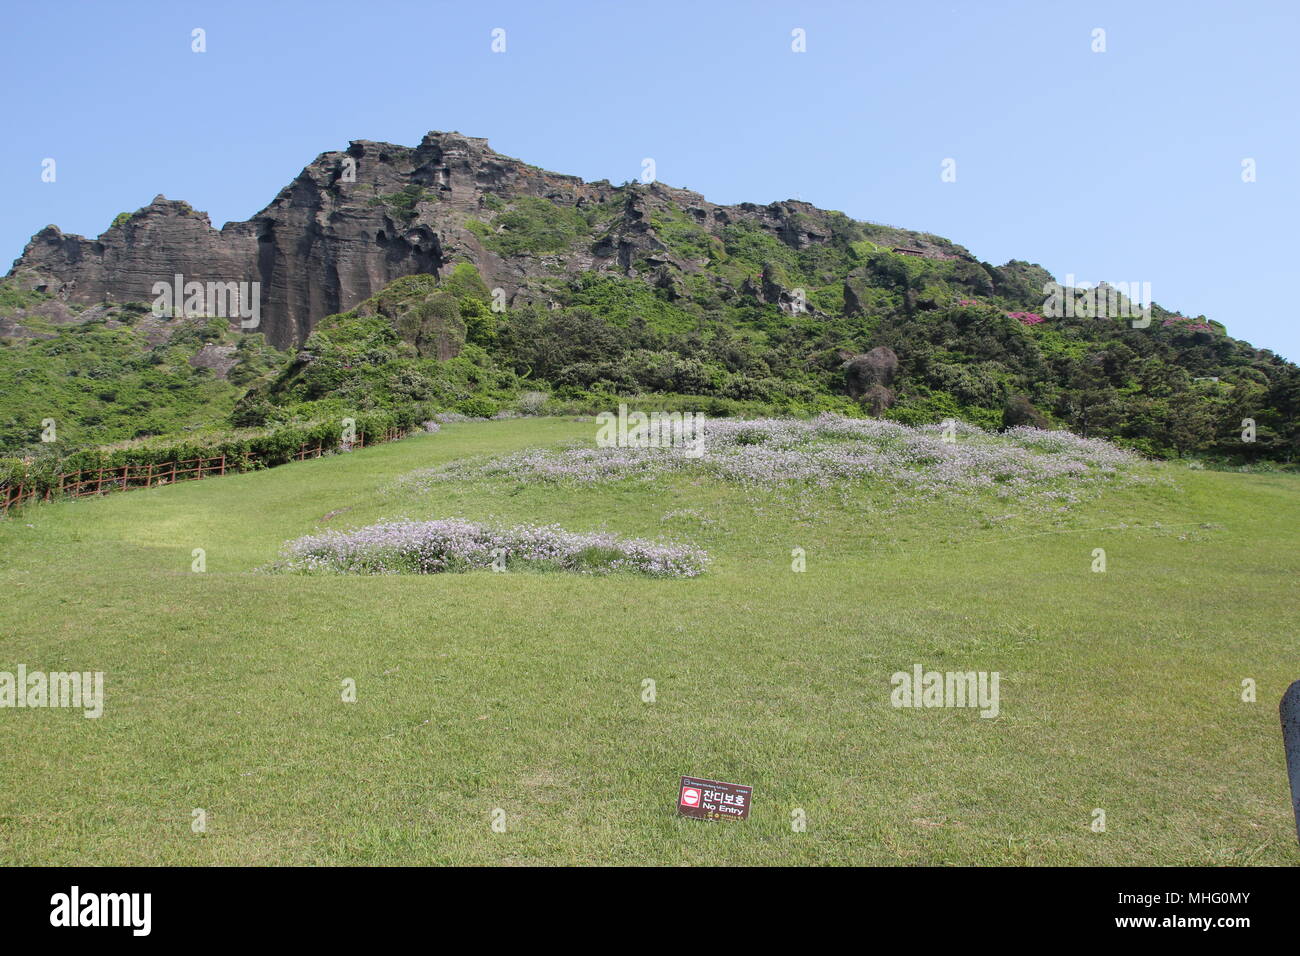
827,451
432,547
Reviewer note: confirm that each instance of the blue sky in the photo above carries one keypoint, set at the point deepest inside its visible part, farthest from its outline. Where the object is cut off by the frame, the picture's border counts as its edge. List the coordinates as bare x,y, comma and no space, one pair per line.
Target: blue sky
1122,165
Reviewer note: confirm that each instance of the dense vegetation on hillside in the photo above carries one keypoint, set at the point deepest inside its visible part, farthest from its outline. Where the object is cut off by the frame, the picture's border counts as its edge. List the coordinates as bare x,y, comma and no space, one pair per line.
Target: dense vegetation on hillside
118,374
968,341
731,323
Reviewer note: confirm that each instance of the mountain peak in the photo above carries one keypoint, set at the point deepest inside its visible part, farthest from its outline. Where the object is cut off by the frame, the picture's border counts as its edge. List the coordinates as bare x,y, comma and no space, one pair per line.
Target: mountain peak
356,219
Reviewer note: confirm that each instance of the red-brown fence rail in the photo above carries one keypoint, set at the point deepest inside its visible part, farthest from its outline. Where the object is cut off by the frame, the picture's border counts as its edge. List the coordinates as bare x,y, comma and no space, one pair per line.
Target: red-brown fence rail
99,481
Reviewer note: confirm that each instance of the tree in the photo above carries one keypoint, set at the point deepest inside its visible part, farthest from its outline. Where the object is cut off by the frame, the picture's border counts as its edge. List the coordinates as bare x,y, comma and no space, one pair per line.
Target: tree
1191,423
1019,410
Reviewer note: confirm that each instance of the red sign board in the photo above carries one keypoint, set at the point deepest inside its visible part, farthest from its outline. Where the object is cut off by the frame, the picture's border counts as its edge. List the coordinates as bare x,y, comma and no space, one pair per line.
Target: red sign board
713,799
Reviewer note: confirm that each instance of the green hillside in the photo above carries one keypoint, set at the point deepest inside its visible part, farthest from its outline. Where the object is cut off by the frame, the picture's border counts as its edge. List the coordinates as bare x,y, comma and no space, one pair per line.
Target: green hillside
734,322
116,373
525,692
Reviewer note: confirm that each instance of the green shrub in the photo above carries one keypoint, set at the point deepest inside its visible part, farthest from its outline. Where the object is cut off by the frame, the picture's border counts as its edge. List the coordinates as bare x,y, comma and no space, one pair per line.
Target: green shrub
532,226
478,407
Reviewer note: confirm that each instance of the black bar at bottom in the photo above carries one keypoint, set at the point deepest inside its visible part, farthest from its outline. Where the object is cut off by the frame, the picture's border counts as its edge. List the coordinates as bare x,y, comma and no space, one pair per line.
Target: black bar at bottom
212,905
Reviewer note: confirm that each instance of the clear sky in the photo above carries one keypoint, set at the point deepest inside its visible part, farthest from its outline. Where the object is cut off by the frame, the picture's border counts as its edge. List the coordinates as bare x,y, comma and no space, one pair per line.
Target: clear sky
1119,165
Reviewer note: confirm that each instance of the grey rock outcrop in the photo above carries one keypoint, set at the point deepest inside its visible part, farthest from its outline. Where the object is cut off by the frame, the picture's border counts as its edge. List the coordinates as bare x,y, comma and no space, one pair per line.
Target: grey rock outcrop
355,220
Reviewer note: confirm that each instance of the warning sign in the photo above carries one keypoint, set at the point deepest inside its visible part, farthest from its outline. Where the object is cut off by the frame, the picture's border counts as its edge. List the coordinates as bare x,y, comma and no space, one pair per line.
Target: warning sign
713,799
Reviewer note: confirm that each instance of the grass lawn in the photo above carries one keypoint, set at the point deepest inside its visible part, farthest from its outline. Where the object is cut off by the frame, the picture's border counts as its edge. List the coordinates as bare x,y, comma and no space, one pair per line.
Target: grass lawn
523,691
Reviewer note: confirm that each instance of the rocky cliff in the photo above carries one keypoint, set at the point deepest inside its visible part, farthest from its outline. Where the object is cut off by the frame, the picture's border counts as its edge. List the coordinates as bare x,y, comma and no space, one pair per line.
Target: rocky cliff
353,221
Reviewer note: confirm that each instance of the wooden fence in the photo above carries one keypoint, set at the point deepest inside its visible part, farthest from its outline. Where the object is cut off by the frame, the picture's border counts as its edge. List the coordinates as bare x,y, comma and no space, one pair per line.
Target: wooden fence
99,481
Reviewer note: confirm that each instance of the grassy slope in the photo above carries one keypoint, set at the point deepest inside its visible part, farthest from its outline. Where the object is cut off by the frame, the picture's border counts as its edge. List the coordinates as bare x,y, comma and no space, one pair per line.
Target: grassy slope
522,691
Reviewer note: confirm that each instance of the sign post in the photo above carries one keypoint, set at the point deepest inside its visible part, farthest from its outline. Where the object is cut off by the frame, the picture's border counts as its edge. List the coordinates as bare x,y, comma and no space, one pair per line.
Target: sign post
713,799
1290,711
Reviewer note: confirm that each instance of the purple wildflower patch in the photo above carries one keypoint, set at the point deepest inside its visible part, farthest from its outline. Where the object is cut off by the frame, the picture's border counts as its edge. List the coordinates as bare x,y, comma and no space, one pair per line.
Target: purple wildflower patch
825,451
452,545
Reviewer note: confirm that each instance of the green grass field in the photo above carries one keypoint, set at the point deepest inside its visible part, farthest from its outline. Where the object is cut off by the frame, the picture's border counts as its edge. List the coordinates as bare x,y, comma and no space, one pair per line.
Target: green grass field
523,691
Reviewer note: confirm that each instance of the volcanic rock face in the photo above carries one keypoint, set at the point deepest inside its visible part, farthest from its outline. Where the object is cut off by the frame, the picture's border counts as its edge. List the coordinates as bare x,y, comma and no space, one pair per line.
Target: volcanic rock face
164,238
353,221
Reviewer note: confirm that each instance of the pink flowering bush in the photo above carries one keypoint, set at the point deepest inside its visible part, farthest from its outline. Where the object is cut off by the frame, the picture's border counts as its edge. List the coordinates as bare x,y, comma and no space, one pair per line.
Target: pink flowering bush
451,545
825,451
1027,318
1186,322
